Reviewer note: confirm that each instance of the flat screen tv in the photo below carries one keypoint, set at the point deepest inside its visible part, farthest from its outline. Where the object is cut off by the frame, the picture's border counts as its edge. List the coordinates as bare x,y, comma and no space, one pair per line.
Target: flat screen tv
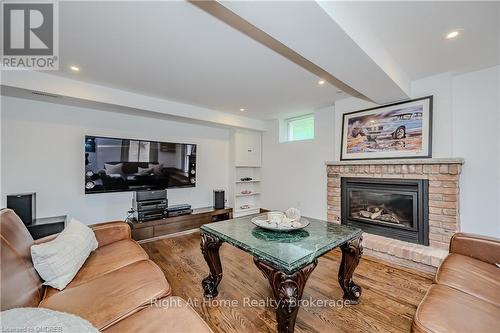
116,165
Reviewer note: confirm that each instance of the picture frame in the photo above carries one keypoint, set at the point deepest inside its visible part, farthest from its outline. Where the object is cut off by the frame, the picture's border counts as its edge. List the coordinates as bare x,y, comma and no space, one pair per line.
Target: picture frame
394,131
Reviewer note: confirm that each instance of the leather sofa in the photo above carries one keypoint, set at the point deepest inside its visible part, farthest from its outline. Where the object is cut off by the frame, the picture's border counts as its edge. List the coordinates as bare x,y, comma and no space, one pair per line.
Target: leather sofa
465,295
115,289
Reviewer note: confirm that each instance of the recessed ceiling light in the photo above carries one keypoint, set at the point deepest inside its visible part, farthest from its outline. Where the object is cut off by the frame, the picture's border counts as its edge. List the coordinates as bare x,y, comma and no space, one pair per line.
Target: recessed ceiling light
321,82
242,109
452,34
75,68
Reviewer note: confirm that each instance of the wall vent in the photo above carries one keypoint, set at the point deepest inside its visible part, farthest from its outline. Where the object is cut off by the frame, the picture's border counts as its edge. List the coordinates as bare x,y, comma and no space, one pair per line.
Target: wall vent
41,93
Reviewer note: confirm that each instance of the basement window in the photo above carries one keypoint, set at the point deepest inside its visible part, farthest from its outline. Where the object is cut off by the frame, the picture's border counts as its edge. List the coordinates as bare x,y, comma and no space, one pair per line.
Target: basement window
300,128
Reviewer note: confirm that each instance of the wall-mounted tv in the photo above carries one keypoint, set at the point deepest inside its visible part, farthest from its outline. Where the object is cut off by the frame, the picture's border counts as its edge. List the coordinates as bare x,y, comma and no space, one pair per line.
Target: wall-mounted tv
116,165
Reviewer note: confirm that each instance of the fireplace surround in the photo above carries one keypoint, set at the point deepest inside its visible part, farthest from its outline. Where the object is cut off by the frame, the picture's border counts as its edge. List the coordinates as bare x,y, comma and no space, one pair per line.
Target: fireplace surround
442,176
395,208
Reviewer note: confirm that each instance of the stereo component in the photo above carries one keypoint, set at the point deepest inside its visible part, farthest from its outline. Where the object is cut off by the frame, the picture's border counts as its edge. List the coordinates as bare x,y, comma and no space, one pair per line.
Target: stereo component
150,195
150,205
178,210
150,215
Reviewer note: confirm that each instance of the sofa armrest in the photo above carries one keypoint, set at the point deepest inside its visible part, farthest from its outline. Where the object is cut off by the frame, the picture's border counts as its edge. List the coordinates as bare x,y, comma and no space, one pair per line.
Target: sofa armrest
110,232
482,248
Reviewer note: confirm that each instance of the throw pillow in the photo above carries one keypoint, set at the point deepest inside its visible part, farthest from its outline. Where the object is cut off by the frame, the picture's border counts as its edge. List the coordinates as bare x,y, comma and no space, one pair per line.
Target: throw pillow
144,171
157,168
112,169
58,261
43,320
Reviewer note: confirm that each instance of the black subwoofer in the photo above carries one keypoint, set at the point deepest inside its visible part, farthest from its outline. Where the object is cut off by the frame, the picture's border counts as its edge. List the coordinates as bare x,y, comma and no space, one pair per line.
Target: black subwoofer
219,200
24,205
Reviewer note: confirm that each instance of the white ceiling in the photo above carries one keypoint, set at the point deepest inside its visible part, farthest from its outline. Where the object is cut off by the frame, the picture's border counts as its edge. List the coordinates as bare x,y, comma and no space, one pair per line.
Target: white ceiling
176,51
308,29
413,33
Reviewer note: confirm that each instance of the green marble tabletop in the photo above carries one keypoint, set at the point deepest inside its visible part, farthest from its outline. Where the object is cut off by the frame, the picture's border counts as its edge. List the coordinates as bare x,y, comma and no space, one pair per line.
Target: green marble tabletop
286,251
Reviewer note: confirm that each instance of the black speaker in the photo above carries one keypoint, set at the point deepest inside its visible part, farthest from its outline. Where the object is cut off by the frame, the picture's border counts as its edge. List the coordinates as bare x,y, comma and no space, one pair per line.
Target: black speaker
24,204
192,169
219,201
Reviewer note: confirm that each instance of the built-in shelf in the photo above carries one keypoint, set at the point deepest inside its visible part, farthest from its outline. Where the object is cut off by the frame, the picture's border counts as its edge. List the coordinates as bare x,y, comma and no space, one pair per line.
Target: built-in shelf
246,194
245,162
251,209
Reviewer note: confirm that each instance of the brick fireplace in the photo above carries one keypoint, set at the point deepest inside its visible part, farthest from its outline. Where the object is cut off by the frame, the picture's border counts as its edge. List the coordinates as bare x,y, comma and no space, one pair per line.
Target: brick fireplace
437,179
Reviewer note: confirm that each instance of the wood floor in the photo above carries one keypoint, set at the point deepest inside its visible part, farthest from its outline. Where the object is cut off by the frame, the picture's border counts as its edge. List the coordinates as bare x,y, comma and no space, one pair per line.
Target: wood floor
388,303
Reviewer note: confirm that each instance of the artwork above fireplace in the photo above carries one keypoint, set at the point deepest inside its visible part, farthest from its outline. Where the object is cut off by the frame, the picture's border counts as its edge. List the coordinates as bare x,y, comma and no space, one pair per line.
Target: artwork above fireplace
395,208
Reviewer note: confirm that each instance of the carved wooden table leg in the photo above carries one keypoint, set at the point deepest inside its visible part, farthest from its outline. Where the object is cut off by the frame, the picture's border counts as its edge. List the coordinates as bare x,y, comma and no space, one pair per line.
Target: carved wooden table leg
287,290
351,253
210,248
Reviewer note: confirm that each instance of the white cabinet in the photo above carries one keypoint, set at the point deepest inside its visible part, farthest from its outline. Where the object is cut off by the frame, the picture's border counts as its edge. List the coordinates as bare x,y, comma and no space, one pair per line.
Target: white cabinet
248,151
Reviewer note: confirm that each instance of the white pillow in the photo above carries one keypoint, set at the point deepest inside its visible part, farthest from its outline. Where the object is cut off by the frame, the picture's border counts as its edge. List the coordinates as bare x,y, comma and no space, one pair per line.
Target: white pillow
156,168
112,169
43,320
58,261
144,171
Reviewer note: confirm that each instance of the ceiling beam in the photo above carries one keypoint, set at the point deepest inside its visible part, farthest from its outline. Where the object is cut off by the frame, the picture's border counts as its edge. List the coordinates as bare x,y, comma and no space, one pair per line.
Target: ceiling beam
361,33
304,29
219,11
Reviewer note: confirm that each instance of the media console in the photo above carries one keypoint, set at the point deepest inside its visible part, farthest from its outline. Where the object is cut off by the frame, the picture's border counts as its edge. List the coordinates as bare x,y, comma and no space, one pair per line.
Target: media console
171,225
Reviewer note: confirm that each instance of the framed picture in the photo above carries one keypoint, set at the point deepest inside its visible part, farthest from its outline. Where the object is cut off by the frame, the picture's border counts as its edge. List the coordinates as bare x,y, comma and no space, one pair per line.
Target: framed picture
399,130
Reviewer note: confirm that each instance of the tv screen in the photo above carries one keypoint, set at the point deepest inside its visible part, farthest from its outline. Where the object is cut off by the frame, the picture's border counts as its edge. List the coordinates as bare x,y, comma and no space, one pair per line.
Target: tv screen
115,165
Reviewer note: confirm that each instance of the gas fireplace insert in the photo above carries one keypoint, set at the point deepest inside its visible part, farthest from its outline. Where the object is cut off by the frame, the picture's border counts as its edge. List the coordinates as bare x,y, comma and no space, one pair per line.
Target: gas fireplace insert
395,208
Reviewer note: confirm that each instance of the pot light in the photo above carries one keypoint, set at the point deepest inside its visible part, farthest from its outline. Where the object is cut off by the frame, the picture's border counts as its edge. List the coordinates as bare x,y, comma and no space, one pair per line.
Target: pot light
452,34
321,82
242,109
74,68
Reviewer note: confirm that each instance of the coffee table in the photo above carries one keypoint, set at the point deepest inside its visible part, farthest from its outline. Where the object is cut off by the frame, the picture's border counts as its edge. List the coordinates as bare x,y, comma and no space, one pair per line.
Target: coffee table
286,259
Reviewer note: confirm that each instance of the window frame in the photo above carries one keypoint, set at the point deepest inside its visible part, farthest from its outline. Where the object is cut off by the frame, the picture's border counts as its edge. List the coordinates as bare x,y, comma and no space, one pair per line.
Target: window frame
288,121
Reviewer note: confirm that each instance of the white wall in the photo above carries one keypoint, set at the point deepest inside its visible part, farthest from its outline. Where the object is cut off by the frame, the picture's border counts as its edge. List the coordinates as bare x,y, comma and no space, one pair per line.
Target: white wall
42,151
440,86
466,120
476,124
294,173
2,203
84,94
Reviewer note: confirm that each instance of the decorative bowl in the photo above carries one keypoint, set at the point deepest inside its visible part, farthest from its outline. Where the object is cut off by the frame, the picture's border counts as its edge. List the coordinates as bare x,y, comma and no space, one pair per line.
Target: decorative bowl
262,221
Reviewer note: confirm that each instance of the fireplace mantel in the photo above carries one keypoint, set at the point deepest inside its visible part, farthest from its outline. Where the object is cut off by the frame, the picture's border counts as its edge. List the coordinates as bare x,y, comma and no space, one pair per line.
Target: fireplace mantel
450,160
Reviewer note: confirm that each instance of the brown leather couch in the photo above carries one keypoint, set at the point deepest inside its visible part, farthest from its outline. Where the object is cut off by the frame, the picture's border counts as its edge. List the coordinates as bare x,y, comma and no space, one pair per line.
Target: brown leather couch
465,295
113,290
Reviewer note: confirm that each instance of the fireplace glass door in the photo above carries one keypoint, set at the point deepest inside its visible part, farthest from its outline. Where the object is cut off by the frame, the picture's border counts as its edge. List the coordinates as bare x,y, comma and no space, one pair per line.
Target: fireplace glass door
395,208
383,207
